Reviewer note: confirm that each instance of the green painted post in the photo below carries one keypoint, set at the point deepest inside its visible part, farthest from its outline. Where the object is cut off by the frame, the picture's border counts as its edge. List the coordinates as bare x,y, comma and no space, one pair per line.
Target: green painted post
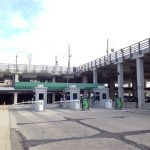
118,103
85,104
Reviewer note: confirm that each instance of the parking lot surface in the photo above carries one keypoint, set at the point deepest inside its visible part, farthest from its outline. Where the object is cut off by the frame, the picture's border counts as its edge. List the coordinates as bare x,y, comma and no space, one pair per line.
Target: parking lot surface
97,129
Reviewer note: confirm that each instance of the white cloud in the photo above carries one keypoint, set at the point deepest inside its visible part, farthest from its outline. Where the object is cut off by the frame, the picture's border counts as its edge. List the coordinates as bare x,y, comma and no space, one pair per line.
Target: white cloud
18,22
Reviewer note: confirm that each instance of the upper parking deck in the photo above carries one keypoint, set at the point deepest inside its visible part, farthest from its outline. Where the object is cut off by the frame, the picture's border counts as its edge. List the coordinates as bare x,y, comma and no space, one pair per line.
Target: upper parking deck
131,52
24,68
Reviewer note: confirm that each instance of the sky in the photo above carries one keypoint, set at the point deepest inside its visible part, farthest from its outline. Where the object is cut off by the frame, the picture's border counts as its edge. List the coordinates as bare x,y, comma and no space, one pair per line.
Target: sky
44,29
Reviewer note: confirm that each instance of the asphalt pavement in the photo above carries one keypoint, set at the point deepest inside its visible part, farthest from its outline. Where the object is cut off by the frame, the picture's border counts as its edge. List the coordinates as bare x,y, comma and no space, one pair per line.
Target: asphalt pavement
96,129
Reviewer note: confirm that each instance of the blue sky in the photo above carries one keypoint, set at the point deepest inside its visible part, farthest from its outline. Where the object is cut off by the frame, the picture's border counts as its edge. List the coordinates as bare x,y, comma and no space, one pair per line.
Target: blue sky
16,19
45,28
18,11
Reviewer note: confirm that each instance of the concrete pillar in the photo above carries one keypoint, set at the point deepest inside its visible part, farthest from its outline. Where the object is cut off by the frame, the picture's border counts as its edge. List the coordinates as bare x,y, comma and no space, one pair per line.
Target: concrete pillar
48,98
140,82
15,98
120,81
53,94
53,97
111,86
85,94
134,85
16,77
95,76
84,80
53,79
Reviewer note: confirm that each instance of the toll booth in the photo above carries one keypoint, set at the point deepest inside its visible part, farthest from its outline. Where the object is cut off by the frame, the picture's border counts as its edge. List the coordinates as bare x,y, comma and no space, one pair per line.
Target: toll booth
101,97
41,95
72,93
72,97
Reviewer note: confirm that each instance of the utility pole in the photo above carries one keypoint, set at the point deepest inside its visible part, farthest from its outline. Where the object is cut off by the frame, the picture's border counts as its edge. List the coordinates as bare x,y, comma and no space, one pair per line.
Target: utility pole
107,48
69,59
56,64
29,56
69,55
16,64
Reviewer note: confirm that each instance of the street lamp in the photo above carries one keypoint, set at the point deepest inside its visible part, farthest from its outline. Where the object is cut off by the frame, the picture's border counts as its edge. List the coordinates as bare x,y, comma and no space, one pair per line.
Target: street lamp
69,55
56,64
107,48
16,63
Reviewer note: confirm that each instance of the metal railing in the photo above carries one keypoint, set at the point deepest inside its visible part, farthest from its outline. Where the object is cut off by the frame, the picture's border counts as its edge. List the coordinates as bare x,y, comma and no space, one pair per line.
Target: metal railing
100,62
23,68
115,56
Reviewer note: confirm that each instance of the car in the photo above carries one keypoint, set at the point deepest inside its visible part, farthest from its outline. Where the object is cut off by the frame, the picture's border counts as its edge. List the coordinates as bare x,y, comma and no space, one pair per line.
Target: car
130,99
126,99
147,99
133,99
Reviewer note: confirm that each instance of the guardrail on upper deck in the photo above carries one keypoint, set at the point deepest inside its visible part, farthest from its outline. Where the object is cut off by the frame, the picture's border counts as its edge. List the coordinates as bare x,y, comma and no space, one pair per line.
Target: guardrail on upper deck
115,56
22,68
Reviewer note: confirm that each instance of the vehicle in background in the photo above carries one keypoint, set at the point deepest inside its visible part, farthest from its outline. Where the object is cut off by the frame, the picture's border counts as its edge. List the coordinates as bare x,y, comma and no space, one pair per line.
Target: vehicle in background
147,99
130,99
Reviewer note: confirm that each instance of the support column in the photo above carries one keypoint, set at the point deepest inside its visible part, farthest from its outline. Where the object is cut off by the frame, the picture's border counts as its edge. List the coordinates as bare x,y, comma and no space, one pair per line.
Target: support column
48,98
53,97
140,82
134,85
15,98
120,81
84,80
95,76
16,77
111,86
53,79
53,93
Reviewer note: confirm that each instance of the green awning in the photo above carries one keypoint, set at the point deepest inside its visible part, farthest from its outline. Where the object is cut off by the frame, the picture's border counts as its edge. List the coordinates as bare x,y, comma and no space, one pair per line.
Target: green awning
53,86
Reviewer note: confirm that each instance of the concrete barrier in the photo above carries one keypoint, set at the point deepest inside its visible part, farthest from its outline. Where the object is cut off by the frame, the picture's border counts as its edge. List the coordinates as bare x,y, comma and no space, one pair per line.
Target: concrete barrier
69,104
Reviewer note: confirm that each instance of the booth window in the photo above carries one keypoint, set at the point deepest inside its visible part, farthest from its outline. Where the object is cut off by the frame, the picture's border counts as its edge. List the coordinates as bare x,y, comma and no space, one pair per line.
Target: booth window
104,95
74,95
67,95
97,96
41,96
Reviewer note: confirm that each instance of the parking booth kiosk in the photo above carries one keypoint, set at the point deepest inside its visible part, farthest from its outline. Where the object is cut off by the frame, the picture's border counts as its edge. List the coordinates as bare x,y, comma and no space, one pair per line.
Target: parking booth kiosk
72,97
101,99
40,102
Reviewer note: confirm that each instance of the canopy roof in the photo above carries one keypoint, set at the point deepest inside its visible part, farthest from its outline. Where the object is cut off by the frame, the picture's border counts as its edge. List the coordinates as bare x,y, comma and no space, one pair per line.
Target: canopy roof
53,86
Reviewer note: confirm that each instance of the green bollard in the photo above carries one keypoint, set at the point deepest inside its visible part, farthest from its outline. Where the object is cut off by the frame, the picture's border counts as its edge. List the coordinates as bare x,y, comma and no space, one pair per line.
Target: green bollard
85,104
118,103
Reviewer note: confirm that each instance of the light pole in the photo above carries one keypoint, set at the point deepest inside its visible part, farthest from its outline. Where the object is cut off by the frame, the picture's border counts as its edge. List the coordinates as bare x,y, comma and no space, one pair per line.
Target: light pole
29,56
68,70
107,49
69,55
16,63
56,64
